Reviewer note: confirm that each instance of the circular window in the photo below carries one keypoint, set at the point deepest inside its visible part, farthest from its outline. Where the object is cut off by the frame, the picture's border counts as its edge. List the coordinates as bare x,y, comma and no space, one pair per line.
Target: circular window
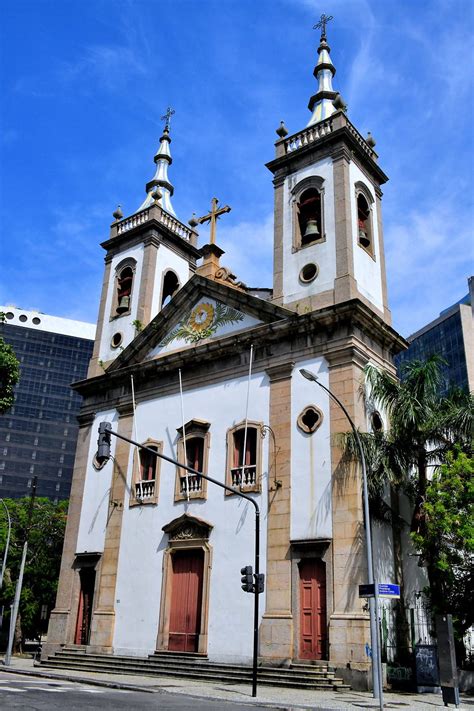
376,422
9,315
117,339
309,272
310,419
23,318
36,320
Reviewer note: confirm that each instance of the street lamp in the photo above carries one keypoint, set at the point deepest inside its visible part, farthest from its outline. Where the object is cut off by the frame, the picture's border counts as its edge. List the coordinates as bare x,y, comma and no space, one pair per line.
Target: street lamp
373,602
4,564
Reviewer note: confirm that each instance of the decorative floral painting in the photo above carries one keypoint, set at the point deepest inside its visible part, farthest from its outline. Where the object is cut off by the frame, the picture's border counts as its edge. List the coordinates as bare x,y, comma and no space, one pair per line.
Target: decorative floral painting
203,322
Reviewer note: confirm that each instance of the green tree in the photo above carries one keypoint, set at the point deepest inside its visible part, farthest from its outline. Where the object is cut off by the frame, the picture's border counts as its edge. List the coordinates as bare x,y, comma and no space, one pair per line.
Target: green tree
447,541
9,375
45,541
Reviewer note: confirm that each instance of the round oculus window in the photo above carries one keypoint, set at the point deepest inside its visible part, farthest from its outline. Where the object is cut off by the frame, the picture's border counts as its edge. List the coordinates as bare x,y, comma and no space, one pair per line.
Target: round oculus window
309,273
117,339
36,320
23,318
9,315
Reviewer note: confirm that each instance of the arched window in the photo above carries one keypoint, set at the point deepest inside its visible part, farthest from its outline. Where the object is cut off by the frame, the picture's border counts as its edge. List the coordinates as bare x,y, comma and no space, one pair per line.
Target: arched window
124,278
170,287
146,470
197,439
365,238
244,457
308,212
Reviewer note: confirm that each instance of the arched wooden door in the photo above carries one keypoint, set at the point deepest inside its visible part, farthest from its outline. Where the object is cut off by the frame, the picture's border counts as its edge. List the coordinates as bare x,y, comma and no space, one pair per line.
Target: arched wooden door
186,600
312,609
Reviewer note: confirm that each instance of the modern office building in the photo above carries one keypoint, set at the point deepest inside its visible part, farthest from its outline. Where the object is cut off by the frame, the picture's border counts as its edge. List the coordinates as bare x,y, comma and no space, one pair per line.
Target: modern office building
38,434
451,335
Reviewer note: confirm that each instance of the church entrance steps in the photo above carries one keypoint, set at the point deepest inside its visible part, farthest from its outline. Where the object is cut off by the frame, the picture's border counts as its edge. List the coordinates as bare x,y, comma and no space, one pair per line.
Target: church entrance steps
196,666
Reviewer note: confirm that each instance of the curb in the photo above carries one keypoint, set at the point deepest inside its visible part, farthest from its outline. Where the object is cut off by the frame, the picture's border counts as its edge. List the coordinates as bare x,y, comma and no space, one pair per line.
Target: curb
78,679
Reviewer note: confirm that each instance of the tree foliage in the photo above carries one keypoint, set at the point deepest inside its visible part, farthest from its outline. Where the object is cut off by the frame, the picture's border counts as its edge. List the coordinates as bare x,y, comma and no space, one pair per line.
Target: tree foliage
45,542
9,375
447,542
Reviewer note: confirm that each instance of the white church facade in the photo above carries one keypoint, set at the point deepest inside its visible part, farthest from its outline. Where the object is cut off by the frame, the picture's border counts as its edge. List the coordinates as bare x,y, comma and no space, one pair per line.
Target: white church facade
193,363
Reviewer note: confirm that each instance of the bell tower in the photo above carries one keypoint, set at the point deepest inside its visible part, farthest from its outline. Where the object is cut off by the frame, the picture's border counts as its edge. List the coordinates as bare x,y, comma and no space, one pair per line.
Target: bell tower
328,240
150,255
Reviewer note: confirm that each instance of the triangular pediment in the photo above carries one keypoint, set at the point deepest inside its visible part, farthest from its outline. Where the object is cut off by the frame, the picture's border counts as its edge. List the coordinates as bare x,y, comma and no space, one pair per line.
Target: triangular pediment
202,311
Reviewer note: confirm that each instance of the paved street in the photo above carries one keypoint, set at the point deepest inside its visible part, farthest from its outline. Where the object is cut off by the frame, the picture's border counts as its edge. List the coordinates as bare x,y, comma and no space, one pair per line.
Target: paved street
23,692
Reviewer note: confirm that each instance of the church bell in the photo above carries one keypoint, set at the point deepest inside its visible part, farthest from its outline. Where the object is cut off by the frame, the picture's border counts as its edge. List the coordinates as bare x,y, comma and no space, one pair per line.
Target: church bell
311,230
123,305
364,238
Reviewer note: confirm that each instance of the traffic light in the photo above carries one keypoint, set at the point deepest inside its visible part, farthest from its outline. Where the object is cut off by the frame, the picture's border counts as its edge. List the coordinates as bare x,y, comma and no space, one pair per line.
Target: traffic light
247,578
103,443
260,582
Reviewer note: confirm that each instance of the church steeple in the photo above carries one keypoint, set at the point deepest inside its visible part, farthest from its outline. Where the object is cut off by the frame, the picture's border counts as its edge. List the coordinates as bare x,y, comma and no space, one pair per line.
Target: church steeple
321,103
160,180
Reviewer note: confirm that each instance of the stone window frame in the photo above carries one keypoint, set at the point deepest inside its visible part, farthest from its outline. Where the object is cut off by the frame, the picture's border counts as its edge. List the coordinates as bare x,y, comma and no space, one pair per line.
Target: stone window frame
302,426
127,262
163,277
143,495
258,427
193,429
185,533
312,181
362,189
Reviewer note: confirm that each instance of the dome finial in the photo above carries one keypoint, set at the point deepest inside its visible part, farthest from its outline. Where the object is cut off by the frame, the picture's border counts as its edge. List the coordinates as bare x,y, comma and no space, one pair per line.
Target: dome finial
167,118
320,103
323,21
160,179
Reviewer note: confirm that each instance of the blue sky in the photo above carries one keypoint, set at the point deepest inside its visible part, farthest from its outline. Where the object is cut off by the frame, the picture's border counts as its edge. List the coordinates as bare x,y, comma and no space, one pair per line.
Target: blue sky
85,84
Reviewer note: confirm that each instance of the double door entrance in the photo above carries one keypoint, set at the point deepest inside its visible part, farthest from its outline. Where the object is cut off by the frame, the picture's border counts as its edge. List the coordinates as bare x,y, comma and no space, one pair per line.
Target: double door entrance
312,600
186,600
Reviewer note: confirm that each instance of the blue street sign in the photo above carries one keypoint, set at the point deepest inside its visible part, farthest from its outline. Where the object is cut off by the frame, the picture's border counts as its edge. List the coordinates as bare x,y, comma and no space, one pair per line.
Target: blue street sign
385,590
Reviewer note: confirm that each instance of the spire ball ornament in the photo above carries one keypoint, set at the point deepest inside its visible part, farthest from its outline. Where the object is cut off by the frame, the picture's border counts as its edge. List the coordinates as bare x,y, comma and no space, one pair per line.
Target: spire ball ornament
118,214
157,195
370,140
193,221
282,130
339,103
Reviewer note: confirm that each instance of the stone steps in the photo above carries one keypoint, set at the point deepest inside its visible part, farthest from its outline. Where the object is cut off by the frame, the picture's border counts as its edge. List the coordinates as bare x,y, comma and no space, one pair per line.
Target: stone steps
195,666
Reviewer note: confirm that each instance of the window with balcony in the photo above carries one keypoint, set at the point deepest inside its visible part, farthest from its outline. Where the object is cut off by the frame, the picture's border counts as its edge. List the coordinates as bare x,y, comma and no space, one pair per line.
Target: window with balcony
244,457
146,469
193,450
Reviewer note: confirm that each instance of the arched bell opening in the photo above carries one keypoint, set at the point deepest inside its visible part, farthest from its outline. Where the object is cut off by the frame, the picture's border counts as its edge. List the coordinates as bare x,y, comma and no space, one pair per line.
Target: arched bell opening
310,216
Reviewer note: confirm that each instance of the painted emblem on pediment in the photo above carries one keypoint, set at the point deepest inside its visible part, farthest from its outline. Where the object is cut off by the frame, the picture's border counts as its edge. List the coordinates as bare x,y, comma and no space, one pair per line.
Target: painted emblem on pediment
203,322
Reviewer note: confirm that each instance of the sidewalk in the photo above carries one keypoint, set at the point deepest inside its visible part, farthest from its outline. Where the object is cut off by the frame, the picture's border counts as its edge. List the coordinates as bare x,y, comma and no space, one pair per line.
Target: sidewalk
277,697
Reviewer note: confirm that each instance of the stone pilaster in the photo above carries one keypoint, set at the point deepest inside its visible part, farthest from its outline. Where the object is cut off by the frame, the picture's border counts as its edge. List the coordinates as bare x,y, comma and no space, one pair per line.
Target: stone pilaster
383,273
278,240
94,367
348,624
276,631
345,286
103,618
147,281
63,618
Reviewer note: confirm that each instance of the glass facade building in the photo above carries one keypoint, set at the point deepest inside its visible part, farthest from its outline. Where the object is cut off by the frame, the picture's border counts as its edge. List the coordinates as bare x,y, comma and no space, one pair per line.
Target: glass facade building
38,434
451,336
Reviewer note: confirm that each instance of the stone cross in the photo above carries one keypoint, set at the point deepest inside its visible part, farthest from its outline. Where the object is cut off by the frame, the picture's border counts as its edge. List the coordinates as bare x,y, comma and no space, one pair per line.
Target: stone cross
322,24
167,117
213,216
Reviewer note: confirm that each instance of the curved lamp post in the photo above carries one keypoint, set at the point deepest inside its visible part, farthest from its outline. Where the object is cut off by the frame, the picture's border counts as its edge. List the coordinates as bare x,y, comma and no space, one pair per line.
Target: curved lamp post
373,602
4,564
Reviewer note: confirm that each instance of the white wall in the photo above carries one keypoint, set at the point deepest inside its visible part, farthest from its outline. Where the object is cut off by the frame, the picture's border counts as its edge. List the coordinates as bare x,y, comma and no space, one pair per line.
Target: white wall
366,269
323,254
95,501
232,539
122,324
311,508
167,259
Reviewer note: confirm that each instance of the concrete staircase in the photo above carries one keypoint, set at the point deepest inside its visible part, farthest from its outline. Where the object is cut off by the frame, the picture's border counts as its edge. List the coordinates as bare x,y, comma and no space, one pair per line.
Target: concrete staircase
313,675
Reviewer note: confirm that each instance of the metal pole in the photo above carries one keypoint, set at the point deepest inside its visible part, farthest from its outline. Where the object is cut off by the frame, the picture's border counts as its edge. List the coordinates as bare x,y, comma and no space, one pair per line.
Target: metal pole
16,602
373,602
7,544
257,537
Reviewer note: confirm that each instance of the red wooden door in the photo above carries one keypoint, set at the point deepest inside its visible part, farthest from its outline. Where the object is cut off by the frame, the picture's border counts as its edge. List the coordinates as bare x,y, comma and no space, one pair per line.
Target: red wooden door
186,600
312,609
84,613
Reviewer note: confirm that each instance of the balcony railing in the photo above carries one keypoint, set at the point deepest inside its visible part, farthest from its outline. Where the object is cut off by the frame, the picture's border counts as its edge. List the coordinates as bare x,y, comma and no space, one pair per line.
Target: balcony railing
145,490
314,133
154,212
244,476
194,484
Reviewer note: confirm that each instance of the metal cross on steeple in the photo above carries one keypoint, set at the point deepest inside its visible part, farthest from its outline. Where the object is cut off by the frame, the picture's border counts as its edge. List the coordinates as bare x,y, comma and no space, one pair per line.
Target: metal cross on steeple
322,24
167,117
212,217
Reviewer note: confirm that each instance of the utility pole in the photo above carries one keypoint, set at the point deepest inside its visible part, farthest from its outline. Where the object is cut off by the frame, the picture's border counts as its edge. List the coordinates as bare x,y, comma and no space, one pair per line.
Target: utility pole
16,602
4,564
